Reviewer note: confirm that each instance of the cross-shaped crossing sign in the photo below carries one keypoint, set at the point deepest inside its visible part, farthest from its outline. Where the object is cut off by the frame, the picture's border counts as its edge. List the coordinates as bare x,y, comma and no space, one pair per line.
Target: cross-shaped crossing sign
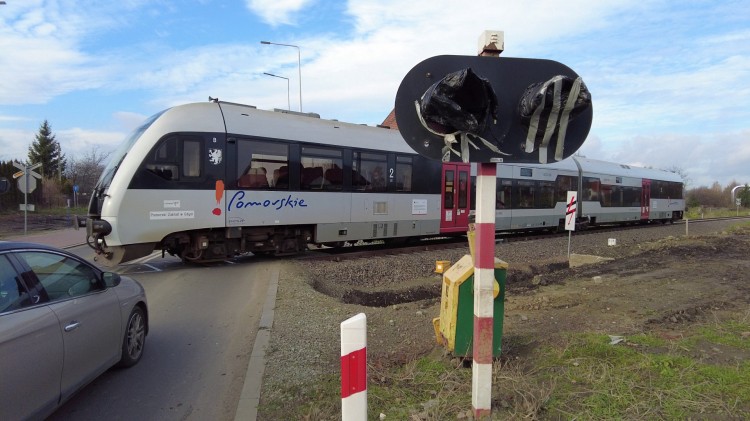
570,211
27,176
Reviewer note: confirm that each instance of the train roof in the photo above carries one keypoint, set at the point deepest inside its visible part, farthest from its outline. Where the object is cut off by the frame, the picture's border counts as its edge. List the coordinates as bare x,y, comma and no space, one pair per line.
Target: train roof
589,165
307,127
247,120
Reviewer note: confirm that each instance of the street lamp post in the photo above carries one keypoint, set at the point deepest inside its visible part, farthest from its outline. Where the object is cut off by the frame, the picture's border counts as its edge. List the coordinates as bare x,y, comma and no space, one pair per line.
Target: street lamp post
288,103
299,66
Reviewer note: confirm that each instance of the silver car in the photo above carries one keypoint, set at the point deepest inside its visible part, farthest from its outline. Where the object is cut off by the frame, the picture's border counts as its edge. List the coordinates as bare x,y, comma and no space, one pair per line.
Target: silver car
63,322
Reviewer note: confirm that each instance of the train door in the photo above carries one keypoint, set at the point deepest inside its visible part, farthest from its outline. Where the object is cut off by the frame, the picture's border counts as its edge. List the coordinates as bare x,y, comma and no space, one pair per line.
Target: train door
455,194
646,199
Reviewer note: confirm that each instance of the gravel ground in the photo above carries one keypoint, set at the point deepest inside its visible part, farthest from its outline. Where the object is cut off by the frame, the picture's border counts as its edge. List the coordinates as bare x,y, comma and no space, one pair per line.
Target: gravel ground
305,335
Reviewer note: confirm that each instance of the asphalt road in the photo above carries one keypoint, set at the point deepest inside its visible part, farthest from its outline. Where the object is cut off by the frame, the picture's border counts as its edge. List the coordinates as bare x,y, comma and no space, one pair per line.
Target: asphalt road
203,323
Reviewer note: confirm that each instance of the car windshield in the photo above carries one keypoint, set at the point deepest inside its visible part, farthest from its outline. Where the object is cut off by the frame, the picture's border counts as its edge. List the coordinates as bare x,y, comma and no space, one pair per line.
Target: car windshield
114,163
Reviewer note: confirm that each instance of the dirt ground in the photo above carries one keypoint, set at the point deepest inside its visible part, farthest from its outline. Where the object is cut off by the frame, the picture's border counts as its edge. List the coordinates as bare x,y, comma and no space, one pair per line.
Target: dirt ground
12,224
665,287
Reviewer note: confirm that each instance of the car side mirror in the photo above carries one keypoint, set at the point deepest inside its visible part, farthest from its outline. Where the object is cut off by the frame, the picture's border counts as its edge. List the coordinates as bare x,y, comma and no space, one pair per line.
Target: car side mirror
111,279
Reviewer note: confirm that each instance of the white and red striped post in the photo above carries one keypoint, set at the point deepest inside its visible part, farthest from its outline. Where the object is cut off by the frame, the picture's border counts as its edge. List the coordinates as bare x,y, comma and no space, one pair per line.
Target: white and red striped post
484,278
354,368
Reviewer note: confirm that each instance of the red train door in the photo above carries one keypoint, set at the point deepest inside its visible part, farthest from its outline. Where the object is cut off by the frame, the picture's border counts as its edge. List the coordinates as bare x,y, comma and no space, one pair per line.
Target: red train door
456,188
646,199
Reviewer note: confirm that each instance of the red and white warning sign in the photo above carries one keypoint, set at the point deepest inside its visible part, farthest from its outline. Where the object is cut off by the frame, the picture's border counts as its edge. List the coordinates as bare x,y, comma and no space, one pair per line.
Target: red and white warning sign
570,211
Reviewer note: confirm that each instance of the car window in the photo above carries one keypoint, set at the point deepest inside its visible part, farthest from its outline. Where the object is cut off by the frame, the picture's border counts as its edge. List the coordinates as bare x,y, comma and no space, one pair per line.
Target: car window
13,295
61,276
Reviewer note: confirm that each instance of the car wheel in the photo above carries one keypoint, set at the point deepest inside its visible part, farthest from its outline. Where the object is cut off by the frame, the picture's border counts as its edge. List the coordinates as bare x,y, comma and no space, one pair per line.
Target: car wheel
135,338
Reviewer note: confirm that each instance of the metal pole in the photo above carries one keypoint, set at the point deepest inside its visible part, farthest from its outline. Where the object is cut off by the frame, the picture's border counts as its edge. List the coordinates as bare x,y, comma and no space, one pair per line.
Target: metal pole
288,104
299,70
484,278
25,197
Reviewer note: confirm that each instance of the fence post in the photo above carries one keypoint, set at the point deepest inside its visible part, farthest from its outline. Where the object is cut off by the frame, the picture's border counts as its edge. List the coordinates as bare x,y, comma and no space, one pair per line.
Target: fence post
354,368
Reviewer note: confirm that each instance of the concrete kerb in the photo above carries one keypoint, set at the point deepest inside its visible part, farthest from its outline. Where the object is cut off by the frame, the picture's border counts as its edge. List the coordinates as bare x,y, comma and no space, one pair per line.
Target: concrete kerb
247,407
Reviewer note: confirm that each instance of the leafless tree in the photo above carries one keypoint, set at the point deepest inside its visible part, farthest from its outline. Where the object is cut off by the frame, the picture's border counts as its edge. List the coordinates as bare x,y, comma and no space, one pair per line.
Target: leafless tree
85,171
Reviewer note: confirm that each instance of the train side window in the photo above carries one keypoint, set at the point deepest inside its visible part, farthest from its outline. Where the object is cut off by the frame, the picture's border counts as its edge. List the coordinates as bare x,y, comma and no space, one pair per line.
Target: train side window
502,194
463,186
369,171
546,197
564,184
321,168
191,158
163,162
262,165
403,173
526,190
591,189
449,187
616,196
606,196
631,196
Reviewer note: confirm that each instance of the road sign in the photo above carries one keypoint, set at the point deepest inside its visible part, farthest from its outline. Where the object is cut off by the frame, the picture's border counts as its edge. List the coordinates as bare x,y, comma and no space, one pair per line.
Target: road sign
27,176
506,109
26,184
570,211
75,188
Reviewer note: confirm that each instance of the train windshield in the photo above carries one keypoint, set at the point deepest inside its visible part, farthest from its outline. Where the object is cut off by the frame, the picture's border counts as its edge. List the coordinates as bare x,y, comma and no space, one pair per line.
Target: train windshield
122,151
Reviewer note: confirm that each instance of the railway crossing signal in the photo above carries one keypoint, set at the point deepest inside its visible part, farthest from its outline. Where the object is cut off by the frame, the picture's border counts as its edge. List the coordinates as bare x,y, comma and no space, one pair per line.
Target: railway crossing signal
26,184
27,176
493,109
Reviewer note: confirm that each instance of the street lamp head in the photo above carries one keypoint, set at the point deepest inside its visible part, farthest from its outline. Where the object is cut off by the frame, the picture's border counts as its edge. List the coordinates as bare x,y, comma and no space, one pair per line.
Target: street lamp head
299,66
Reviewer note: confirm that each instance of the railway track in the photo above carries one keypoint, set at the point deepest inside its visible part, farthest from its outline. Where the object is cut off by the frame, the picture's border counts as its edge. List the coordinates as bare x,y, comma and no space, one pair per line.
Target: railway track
364,250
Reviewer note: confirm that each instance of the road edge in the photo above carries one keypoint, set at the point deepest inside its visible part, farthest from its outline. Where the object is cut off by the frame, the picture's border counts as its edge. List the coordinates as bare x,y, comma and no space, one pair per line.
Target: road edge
247,407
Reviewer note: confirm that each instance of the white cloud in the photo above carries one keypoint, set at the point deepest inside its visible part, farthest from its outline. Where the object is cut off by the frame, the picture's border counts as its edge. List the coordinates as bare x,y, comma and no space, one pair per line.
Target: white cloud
665,93
277,12
77,141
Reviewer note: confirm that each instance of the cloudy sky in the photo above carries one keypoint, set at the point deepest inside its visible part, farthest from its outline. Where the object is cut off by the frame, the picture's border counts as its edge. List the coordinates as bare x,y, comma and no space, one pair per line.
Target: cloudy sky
670,80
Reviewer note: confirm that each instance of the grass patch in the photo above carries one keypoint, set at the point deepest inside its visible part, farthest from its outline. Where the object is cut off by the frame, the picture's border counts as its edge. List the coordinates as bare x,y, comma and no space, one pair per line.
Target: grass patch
578,376
700,213
643,380
739,229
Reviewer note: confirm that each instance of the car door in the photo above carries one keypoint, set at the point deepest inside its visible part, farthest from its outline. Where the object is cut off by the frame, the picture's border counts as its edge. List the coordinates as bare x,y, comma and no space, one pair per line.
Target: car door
31,349
88,314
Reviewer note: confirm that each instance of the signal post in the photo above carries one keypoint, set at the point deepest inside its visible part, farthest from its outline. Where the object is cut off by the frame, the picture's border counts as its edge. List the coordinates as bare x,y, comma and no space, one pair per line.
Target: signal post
491,110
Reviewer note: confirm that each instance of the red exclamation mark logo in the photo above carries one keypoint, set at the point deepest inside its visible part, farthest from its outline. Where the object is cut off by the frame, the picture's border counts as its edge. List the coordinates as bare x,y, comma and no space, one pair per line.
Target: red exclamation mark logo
219,195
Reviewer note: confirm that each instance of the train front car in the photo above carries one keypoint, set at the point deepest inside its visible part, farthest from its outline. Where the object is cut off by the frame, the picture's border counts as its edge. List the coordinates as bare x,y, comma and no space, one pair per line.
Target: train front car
164,178
209,181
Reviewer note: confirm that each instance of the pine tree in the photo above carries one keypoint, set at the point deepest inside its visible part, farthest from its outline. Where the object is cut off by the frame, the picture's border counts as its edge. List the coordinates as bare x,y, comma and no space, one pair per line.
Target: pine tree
46,150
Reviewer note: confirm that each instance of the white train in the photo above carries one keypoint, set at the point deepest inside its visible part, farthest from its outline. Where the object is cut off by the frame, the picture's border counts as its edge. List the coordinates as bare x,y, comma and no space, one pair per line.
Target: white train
208,181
